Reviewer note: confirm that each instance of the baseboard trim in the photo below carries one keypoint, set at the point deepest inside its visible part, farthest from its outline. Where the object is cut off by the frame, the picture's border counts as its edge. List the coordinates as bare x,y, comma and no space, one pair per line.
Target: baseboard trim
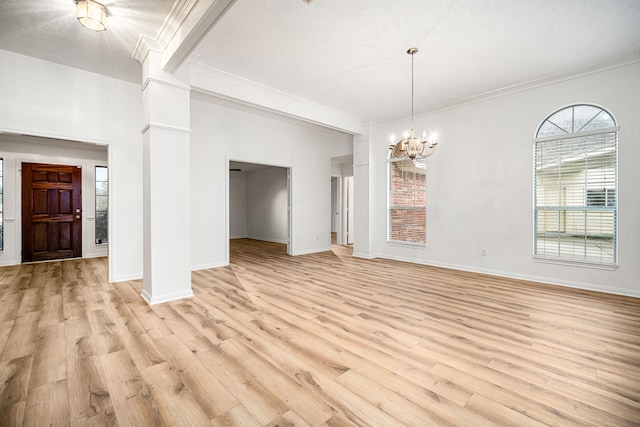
125,278
530,278
311,251
367,256
208,266
267,239
152,300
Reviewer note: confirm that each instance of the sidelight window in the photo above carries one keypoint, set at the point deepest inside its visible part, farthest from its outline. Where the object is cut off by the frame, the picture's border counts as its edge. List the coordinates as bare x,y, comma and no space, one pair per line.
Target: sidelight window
102,204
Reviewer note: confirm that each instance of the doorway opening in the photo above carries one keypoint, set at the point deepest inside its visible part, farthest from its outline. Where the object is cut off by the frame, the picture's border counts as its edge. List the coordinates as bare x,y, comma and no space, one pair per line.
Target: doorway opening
259,202
335,209
348,210
47,184
342,200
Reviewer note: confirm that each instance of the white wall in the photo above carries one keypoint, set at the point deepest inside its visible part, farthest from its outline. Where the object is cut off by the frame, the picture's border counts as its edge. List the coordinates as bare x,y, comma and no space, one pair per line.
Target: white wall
479,182
258,203
222,132
237,205
267,202
46,99
16,149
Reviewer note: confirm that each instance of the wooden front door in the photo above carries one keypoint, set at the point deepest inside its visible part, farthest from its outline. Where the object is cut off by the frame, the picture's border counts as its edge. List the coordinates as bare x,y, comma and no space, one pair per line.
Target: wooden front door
51,212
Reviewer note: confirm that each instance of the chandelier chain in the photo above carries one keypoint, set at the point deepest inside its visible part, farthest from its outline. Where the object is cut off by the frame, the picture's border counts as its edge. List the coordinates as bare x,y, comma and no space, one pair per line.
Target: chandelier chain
412,88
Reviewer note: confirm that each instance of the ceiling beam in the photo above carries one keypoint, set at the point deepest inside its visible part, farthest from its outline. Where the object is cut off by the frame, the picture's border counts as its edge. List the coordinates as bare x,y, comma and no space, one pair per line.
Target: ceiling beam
218,83
187,22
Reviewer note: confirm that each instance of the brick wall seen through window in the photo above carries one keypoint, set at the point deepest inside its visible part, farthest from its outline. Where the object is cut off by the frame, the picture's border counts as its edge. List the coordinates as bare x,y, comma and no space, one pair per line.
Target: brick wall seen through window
407,201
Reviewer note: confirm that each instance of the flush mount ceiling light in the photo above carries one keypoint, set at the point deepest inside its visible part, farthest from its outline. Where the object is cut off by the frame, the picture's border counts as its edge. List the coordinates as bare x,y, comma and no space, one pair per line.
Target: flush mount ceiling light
411,147
92,15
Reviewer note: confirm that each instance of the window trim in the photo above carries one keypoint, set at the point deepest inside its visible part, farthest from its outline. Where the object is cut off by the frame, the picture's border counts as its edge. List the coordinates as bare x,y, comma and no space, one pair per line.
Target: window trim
570,263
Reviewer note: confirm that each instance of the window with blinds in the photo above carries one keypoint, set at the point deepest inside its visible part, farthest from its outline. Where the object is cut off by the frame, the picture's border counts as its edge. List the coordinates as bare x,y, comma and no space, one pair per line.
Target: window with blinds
407,213
575,180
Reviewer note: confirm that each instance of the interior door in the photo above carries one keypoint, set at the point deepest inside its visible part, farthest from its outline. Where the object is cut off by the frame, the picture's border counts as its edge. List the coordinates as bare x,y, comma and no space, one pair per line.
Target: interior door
51,212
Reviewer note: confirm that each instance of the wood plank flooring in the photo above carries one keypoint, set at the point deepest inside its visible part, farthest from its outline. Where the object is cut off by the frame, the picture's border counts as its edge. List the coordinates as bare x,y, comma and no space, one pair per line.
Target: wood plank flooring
314,340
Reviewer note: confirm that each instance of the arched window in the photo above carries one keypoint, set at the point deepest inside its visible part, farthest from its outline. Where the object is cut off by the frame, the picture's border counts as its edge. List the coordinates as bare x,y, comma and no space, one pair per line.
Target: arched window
407,208
575,186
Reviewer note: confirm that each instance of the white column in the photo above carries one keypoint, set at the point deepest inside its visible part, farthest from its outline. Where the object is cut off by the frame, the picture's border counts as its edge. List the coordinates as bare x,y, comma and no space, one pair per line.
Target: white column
166,184
364,196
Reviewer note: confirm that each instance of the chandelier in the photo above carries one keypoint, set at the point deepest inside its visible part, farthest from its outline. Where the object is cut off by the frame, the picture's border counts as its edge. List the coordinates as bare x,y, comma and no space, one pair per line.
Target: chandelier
92,14
411,147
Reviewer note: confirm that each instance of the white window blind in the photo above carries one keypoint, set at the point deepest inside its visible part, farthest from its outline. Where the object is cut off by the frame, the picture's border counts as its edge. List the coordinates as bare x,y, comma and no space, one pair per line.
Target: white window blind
575,209
407,200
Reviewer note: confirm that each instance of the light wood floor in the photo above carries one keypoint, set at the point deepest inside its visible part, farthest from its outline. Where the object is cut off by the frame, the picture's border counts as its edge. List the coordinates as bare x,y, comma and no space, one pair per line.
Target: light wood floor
321,340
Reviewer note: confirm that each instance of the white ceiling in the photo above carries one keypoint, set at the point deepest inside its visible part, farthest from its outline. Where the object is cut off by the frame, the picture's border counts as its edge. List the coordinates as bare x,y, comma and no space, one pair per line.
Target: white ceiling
48,29
350,54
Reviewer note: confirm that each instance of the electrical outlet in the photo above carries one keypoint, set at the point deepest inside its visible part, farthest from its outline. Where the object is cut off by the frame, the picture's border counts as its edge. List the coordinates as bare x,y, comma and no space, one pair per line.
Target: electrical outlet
483,252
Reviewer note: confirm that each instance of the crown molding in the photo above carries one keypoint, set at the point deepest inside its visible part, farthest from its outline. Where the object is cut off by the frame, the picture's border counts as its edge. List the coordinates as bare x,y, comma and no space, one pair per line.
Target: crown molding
211,81
150,126
170,25
164,83
185,25
529,85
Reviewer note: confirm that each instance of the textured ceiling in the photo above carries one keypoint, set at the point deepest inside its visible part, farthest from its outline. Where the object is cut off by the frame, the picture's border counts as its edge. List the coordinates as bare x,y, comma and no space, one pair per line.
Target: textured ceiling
350,54
48,29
